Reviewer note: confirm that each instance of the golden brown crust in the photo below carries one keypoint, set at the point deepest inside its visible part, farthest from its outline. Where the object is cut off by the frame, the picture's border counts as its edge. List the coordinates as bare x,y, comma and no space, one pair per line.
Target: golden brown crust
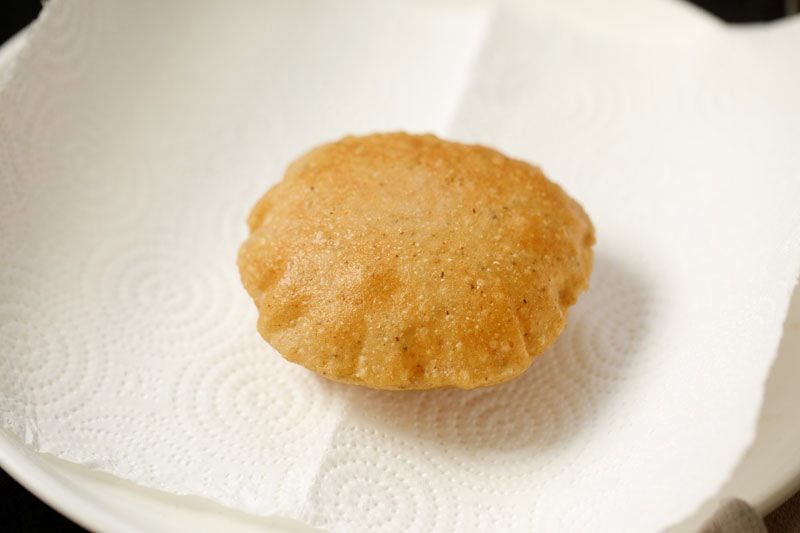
402,261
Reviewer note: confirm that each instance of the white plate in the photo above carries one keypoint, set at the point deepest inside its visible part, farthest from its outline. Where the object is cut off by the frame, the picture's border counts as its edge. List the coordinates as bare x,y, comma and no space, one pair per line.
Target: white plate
768,474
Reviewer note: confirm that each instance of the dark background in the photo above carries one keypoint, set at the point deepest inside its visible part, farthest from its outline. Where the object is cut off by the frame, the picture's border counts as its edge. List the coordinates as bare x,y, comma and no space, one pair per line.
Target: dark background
21,511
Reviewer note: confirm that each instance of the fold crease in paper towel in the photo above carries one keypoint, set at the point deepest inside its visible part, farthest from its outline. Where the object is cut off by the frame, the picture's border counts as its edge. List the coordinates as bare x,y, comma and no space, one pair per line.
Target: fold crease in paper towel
132,146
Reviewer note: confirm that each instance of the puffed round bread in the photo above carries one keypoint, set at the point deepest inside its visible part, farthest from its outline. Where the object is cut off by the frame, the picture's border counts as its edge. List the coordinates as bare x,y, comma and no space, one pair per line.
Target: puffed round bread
400,261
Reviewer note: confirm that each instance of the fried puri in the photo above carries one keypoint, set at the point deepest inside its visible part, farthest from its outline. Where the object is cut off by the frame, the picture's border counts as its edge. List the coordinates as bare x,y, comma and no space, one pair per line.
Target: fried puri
400,261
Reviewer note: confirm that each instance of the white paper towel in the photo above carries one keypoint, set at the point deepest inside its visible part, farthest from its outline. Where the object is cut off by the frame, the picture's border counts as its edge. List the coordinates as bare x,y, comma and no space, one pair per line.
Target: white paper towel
132,146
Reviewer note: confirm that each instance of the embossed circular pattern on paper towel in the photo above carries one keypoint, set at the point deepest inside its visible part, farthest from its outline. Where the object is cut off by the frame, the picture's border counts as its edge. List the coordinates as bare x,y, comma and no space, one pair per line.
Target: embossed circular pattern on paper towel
481,426
245,390
166,287
45,357
363,486
492,434
253,413
611,323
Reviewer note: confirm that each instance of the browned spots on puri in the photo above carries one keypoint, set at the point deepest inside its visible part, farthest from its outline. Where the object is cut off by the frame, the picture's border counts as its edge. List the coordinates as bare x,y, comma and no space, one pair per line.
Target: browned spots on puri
446,312
525,301
472,286
397,339
405,348
442,275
